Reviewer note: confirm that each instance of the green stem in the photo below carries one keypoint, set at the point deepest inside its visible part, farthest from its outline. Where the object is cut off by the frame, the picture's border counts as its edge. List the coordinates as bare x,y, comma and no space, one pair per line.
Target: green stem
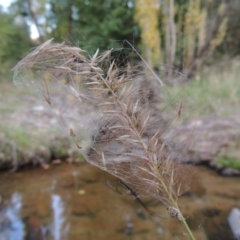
174,203
187,228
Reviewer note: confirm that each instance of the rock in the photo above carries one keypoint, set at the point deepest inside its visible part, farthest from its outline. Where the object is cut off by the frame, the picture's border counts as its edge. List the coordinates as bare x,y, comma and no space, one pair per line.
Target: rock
45,166
203,141
35,229
230,172
56,161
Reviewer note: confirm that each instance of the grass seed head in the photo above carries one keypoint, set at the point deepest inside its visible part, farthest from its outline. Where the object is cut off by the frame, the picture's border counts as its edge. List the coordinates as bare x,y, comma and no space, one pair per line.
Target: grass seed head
123,102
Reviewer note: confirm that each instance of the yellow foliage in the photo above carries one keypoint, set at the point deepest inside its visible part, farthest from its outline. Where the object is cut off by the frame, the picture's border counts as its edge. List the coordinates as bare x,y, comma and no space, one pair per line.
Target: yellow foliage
220,35
202,30
193,20
221,9
147,12
170,33
222,29
188,37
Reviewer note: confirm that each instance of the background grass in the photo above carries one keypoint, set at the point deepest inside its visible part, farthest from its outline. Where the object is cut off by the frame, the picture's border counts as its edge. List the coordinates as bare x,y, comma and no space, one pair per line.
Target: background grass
23,135
216,90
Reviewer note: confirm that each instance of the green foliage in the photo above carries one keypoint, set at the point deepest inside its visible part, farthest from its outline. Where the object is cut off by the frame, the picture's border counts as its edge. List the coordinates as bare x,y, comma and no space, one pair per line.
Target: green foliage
14,42
92,24
20,137
216,90
229,162
60,148
105,24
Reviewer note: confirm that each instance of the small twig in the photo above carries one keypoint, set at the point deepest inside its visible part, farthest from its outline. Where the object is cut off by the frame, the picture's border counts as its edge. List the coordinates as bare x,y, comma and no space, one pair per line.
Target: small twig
139,200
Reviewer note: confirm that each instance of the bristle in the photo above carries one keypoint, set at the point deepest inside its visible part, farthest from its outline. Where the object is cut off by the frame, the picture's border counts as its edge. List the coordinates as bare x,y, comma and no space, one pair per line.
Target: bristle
124,103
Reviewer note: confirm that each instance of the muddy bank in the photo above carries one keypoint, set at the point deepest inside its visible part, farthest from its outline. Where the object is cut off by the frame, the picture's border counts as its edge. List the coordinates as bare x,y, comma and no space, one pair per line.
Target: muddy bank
30,134
29,131
212,141
59,148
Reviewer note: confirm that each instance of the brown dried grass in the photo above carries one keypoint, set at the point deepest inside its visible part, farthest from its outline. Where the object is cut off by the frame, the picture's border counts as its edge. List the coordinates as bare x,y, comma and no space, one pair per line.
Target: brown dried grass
121,110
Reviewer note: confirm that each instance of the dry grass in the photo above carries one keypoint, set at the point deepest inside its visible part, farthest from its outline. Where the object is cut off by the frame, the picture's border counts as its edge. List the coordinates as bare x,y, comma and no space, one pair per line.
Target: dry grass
121,103
216,90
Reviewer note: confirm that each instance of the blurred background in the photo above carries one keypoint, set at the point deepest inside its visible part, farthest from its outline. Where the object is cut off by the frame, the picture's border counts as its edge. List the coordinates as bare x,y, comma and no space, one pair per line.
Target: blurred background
183,34
65,198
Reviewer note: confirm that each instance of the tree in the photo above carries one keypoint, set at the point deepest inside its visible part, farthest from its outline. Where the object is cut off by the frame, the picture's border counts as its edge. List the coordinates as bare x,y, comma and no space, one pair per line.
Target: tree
181,33
33,13
146,16
14,41
104,23
99,23
231,43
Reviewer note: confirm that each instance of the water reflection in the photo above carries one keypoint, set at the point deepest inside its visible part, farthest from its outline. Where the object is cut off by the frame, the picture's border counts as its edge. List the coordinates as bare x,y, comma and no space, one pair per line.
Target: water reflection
234,222
11,225
73,203
58,230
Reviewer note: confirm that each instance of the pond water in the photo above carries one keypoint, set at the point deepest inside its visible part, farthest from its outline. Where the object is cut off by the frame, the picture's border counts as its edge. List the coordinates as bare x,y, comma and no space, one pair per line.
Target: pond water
73,202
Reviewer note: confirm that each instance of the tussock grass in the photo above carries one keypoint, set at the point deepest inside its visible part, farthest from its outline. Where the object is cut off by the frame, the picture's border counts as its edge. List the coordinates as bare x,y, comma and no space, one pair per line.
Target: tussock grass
21,136
26,134
15,136
120,106
216,90
228,161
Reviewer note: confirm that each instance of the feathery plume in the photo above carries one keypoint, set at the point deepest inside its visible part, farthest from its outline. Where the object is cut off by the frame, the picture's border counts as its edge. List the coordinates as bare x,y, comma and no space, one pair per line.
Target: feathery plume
121,106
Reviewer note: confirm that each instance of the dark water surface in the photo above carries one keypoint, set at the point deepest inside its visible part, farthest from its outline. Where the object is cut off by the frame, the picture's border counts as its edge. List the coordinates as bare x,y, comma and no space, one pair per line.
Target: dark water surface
73,202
